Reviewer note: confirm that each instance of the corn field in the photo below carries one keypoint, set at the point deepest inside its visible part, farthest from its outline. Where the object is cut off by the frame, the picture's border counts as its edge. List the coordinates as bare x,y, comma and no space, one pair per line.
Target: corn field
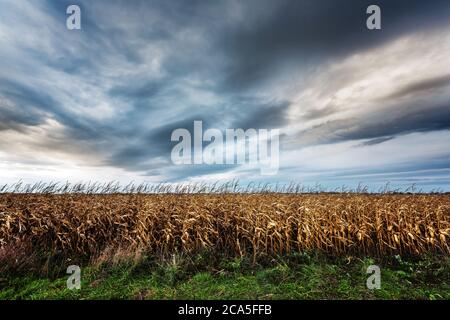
236,224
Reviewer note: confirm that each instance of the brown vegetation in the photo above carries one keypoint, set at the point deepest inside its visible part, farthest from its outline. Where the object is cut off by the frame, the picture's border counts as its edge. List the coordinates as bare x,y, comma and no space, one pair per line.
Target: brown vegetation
237,224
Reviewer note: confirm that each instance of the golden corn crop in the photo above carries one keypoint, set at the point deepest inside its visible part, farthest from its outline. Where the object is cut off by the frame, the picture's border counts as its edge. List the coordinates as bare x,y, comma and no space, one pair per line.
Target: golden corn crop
239,224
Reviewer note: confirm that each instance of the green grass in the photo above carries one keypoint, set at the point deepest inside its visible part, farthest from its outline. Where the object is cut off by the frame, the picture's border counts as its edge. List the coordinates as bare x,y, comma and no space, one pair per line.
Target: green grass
297,276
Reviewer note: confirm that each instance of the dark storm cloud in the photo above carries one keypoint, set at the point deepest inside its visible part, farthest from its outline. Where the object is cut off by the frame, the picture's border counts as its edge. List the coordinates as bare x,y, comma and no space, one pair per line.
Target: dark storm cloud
381,129
154,145
138,91
263,116
420,87
11,119
23,106
307,32
30,102
376,141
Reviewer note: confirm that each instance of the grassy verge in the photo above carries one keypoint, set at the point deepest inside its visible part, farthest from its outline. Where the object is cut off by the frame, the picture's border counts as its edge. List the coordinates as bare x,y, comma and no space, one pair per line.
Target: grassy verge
296,276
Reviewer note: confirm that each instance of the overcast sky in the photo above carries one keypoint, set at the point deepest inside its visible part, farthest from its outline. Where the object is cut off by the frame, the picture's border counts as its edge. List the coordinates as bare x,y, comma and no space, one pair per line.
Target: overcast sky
352,104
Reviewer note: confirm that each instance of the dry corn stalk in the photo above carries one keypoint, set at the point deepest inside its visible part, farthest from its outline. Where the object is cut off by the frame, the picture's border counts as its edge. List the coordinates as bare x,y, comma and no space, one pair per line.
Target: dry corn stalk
232,223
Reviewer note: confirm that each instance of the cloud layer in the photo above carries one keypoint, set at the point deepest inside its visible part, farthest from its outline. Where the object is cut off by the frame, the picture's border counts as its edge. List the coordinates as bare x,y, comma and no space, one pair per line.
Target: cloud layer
101,103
